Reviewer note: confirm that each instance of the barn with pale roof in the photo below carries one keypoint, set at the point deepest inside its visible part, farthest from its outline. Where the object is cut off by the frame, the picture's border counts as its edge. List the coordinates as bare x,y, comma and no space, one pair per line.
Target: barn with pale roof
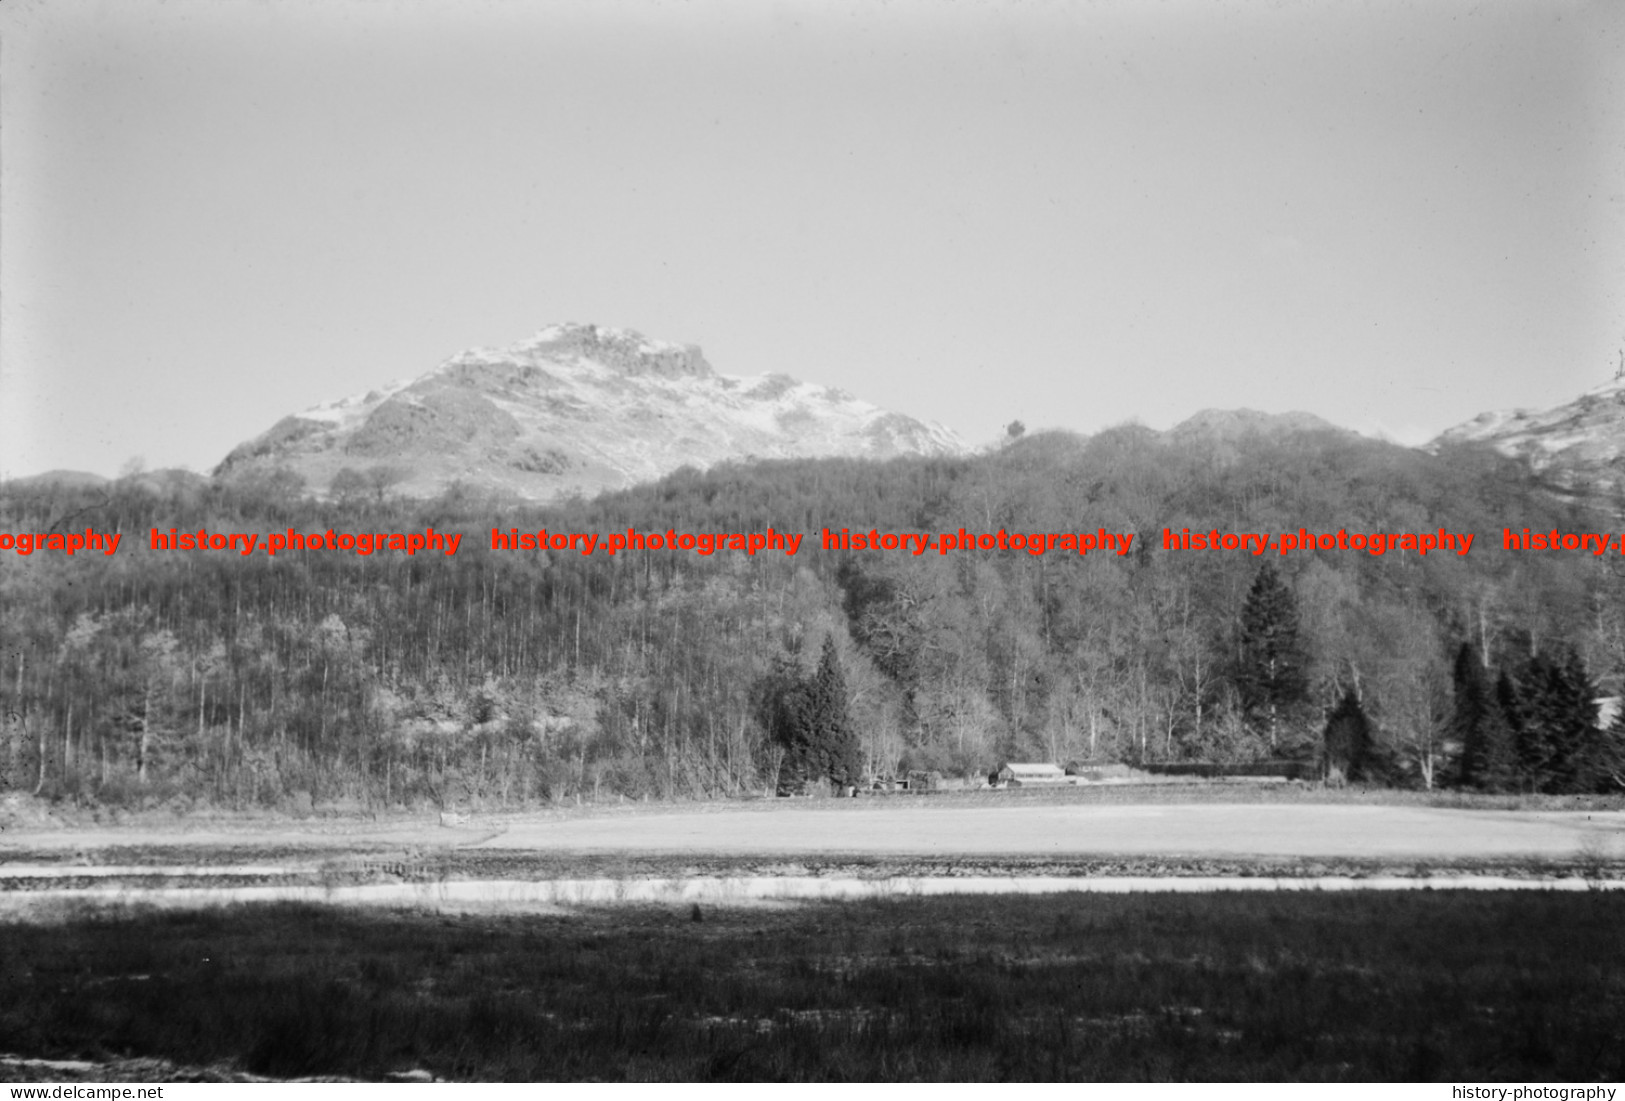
1018,775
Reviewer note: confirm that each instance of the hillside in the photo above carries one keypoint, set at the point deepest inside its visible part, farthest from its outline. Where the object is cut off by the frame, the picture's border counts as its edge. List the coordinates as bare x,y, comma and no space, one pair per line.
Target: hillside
1579,445
503,677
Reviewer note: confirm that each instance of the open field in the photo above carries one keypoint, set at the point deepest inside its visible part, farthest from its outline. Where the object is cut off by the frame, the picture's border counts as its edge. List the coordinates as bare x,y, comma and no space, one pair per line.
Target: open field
1305,984
1191,822
1427,986
1299,830
753,850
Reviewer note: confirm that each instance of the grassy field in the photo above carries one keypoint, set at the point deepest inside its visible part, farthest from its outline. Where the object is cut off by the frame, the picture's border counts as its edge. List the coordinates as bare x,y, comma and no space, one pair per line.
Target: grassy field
1213,830
1411,986
19,812
1384,825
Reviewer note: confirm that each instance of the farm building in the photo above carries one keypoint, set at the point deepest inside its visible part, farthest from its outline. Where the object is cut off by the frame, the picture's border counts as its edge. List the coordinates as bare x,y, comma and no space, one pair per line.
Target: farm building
1026,775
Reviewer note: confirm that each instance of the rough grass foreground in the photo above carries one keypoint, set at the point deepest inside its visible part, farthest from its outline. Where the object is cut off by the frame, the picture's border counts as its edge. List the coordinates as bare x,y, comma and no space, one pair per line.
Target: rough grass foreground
1446,985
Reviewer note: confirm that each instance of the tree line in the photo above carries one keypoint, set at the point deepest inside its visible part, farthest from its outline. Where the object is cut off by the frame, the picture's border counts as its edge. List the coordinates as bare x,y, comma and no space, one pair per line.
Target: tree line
504,679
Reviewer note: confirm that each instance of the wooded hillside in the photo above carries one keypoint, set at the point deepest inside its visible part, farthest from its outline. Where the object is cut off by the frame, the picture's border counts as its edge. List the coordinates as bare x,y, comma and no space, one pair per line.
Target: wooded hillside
503,677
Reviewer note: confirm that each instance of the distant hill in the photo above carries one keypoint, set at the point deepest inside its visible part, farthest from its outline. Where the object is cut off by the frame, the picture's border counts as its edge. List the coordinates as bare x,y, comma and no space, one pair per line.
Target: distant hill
576,409
75,478
1577,445
1230,424
160,481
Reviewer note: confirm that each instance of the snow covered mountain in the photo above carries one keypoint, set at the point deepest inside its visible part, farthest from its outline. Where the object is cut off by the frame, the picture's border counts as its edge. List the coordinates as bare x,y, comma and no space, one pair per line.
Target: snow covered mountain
576,408
1580,444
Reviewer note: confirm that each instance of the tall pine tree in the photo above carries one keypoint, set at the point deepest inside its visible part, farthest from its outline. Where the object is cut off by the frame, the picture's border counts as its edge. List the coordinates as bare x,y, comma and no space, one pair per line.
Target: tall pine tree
1575,732
1556,722
810,720
1348,740
783,707
839,754
1497,768
1488,760
1270,672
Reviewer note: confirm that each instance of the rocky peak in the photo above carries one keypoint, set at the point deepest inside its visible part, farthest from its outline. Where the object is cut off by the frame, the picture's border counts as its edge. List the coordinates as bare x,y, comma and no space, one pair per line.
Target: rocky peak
624,350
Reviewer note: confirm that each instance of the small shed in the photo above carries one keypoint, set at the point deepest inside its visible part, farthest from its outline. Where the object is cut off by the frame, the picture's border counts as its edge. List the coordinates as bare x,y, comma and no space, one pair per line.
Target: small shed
1029,775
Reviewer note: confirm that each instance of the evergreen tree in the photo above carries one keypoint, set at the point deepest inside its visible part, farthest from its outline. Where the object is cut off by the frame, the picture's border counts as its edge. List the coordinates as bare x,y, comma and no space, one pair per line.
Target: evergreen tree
783,708
1348,740
1488,758
836,750
1531,741
1506,694
1497,765
1576,736
1596,761
809,718
1270,673
1557,714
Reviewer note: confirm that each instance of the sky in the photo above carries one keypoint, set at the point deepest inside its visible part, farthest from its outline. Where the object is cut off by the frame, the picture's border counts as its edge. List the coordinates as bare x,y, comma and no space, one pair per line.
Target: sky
214,213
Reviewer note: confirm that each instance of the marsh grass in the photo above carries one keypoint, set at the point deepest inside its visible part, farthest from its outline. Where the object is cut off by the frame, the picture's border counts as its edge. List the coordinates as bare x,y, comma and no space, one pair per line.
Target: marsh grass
1276,987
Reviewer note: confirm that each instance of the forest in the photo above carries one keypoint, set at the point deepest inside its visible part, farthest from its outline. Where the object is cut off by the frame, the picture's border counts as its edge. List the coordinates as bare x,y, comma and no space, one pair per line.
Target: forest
487,679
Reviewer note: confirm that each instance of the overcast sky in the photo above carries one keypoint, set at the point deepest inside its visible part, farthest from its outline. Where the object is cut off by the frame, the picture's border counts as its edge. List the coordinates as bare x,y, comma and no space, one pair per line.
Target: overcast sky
1395,215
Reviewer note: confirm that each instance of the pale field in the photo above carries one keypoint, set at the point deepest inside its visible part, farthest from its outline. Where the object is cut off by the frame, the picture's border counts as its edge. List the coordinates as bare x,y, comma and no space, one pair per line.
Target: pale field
1209,830
911,827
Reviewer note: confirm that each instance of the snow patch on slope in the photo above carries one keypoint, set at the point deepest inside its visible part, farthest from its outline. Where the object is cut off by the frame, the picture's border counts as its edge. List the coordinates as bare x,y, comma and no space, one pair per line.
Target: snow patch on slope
581,408
347,411
1578,442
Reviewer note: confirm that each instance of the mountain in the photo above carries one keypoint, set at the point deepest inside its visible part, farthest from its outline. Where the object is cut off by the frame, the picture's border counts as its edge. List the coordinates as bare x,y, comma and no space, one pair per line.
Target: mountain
574,409
1580,444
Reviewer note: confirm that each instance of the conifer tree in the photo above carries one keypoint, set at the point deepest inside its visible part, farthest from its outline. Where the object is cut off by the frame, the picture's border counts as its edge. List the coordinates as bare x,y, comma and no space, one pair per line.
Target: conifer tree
836,750
1510,697
809,718
1531,731
1348,740
1488,759
1270,674
1497,765
1575,733
1557,722
783,707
